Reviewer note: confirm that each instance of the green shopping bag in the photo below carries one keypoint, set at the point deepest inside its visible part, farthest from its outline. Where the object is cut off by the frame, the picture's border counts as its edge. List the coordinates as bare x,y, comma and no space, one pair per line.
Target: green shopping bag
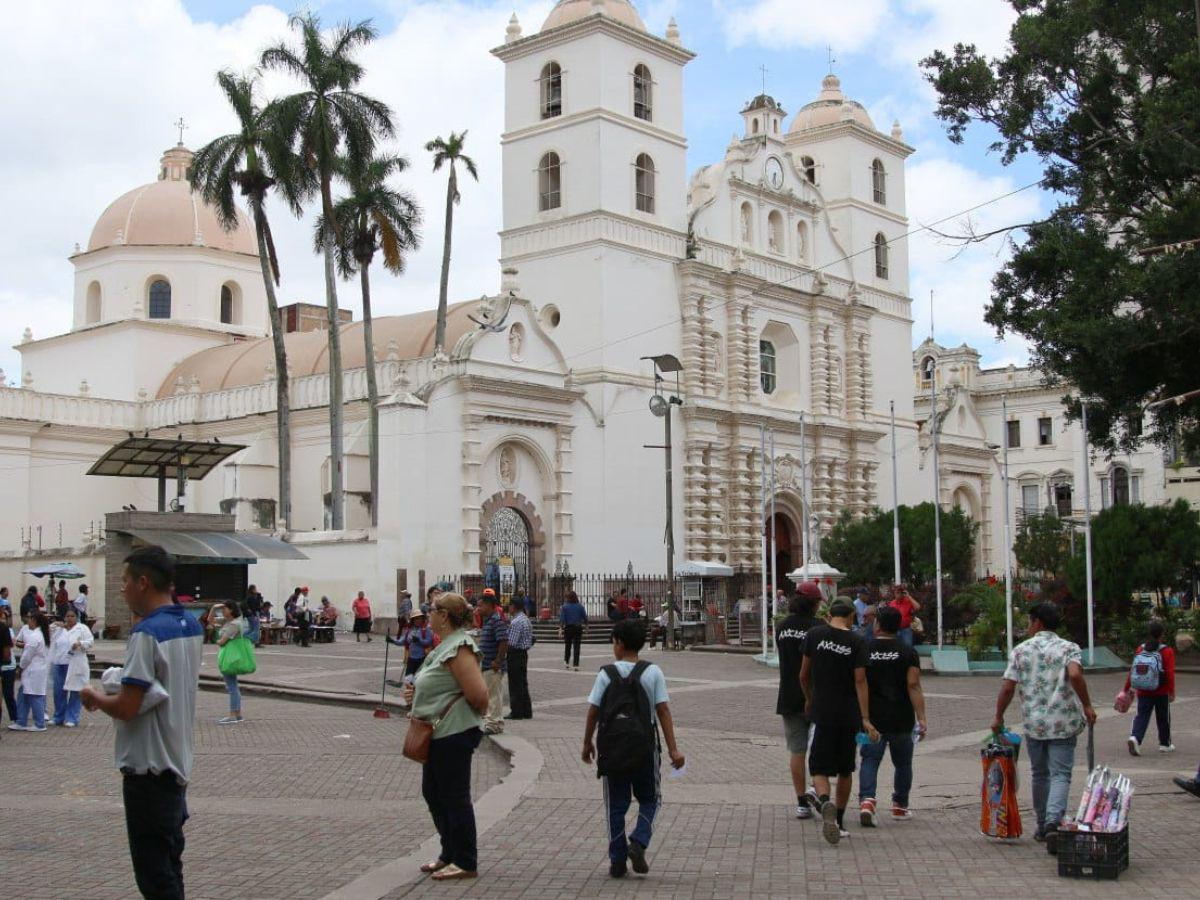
237,657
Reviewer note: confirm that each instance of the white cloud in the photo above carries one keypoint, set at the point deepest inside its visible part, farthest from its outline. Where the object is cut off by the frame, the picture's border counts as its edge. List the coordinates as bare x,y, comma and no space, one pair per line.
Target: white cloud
848,26
109,77
961,278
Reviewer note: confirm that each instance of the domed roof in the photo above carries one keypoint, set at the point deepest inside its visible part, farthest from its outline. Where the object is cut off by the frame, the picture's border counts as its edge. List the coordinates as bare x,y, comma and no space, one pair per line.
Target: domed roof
247,362
830,107
568,11
167,213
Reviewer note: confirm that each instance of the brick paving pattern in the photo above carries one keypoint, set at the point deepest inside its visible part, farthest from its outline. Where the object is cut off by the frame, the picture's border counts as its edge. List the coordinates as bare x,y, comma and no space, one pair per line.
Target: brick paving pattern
335,800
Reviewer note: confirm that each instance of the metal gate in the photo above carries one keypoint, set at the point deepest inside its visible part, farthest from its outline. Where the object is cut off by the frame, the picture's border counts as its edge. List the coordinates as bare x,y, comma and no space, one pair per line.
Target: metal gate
507,537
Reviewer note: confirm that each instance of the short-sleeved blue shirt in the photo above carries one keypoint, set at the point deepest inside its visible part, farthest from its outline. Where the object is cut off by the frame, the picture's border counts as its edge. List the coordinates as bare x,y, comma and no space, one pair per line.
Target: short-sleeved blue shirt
653,681
493,632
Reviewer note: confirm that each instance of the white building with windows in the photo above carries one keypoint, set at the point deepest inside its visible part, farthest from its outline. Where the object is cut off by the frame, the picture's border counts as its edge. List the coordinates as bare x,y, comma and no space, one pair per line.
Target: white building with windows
982,409
778,276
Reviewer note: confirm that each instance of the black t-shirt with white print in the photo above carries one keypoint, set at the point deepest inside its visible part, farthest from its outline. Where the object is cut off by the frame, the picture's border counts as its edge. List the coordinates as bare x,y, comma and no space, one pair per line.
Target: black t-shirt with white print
789,639
888,662
835,654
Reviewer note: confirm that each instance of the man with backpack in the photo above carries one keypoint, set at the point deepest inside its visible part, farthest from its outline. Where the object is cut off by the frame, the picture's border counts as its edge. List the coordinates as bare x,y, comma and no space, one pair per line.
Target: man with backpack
622,706
1152,677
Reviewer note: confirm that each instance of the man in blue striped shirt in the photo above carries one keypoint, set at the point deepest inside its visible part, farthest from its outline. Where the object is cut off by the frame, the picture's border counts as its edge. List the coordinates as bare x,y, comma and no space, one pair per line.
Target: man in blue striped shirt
493,646
520,641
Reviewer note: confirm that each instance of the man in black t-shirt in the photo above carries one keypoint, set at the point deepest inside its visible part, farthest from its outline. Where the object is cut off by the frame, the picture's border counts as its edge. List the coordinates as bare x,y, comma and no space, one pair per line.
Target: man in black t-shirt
898,705
835,683
789,640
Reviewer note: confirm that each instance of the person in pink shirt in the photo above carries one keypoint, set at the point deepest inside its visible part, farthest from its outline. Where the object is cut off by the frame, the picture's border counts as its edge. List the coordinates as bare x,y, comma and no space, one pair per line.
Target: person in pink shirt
361,607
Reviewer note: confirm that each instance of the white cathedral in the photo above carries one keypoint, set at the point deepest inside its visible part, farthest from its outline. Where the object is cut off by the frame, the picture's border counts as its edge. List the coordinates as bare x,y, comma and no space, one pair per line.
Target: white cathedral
778,276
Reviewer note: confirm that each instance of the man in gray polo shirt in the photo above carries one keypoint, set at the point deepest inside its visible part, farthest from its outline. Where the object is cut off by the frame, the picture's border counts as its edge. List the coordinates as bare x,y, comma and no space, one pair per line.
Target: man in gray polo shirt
154,748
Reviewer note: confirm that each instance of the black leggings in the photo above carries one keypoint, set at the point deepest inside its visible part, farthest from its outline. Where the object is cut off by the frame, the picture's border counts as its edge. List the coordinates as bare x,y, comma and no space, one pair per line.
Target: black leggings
572,640
446,787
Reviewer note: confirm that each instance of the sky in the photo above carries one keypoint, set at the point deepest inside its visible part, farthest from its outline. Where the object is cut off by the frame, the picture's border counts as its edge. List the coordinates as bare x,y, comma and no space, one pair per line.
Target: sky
92,89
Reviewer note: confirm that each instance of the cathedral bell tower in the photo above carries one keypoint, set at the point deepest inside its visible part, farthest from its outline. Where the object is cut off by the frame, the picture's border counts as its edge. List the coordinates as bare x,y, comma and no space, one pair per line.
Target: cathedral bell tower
594,157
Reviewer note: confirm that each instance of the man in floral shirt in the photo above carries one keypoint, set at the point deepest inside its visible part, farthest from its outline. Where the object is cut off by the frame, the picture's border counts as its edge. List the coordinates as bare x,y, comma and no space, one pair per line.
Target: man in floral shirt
1048,672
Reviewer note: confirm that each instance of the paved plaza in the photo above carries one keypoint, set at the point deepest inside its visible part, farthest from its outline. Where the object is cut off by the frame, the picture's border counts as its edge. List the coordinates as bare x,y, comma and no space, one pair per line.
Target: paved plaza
314,800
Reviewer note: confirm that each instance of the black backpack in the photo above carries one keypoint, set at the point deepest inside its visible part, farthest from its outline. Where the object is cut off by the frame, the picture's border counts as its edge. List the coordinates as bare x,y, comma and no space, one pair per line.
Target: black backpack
626,736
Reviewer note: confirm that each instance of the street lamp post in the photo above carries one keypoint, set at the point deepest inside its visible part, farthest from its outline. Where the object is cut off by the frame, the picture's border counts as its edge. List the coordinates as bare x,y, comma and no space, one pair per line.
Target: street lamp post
895,505
1087,532
661,407
1008,575
937,505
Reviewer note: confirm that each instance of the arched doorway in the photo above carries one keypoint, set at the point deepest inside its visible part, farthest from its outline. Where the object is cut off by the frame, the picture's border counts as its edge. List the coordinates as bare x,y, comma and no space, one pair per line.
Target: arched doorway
506,543
787,550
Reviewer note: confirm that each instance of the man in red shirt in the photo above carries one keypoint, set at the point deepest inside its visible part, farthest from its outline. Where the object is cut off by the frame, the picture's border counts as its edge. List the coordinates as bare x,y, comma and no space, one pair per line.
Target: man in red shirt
904,604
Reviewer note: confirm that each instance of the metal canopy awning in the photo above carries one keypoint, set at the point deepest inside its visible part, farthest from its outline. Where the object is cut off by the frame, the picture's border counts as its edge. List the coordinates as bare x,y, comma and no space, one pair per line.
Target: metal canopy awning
218,546
147,457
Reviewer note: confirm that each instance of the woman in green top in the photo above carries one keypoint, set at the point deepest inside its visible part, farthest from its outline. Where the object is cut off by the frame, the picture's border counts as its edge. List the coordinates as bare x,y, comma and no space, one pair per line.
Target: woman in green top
449,690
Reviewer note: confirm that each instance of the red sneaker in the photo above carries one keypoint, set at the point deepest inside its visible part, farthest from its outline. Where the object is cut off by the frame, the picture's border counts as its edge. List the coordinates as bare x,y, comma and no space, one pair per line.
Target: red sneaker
866,814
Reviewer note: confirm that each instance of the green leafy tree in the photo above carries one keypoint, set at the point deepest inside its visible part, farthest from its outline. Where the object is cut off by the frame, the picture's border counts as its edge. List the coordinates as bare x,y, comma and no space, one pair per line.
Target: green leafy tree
325,120
1106,95
448,152
982,605
1137,547
253,161
374,218
1042,546
862,548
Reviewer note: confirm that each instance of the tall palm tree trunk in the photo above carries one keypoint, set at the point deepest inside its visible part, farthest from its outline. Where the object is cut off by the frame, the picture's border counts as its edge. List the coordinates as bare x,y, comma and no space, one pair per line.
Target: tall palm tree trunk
372,390
443,299
337,519
283,428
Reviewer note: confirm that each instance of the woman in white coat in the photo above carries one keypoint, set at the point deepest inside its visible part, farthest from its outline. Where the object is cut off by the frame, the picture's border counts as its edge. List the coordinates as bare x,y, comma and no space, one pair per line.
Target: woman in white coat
35,669
70,642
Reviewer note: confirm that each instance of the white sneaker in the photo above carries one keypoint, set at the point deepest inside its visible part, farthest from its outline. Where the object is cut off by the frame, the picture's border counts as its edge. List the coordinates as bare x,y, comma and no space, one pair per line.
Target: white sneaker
1134,748
15,727
228,720
843,834
35,728
1167,748
803,811
68,724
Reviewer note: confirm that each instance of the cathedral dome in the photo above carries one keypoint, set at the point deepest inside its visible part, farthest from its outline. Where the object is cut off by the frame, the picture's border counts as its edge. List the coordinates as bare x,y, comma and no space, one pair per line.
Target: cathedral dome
568,11
830,108
167,213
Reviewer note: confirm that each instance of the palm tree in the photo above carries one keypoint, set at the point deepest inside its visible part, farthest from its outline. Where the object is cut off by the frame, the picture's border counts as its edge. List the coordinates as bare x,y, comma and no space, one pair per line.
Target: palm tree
374,217
326,116
451,152
253,160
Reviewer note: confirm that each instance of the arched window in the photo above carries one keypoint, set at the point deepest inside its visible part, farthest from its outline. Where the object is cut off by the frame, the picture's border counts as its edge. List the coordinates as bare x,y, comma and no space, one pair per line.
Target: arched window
881,256
92,313
226,305
1120,486
766,367
551,82
927,369
776,124
747,225
160,300
643,93
756,126
644,178
810,169
775,231
879,182
549,182
802,242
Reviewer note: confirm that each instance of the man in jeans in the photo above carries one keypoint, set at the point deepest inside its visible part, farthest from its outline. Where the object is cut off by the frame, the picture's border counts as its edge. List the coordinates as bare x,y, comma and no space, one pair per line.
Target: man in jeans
1048,672
493,647
897,706
154,748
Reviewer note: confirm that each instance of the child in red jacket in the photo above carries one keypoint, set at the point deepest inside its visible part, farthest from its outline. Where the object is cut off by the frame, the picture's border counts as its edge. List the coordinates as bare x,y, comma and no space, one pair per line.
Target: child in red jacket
1157,699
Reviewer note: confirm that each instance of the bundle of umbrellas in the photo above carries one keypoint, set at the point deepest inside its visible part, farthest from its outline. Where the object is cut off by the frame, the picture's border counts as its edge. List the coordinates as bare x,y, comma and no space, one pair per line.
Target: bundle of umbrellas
1104,806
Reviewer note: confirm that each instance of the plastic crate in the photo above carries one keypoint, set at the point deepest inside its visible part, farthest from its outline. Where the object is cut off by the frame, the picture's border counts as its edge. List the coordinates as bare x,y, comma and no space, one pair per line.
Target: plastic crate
1084,854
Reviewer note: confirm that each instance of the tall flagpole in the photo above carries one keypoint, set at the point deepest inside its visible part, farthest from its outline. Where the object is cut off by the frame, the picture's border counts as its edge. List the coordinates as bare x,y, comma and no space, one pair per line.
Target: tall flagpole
895,505
774,547
762,531
804,495
937,501
1087,535
1008,575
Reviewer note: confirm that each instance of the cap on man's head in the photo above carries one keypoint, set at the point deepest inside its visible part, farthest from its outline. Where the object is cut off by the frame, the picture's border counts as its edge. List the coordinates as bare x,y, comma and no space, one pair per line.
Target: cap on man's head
840,609
406,593
810,589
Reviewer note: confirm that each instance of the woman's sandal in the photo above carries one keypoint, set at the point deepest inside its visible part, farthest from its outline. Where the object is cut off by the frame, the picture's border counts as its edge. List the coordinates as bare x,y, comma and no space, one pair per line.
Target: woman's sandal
451,872
434,865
